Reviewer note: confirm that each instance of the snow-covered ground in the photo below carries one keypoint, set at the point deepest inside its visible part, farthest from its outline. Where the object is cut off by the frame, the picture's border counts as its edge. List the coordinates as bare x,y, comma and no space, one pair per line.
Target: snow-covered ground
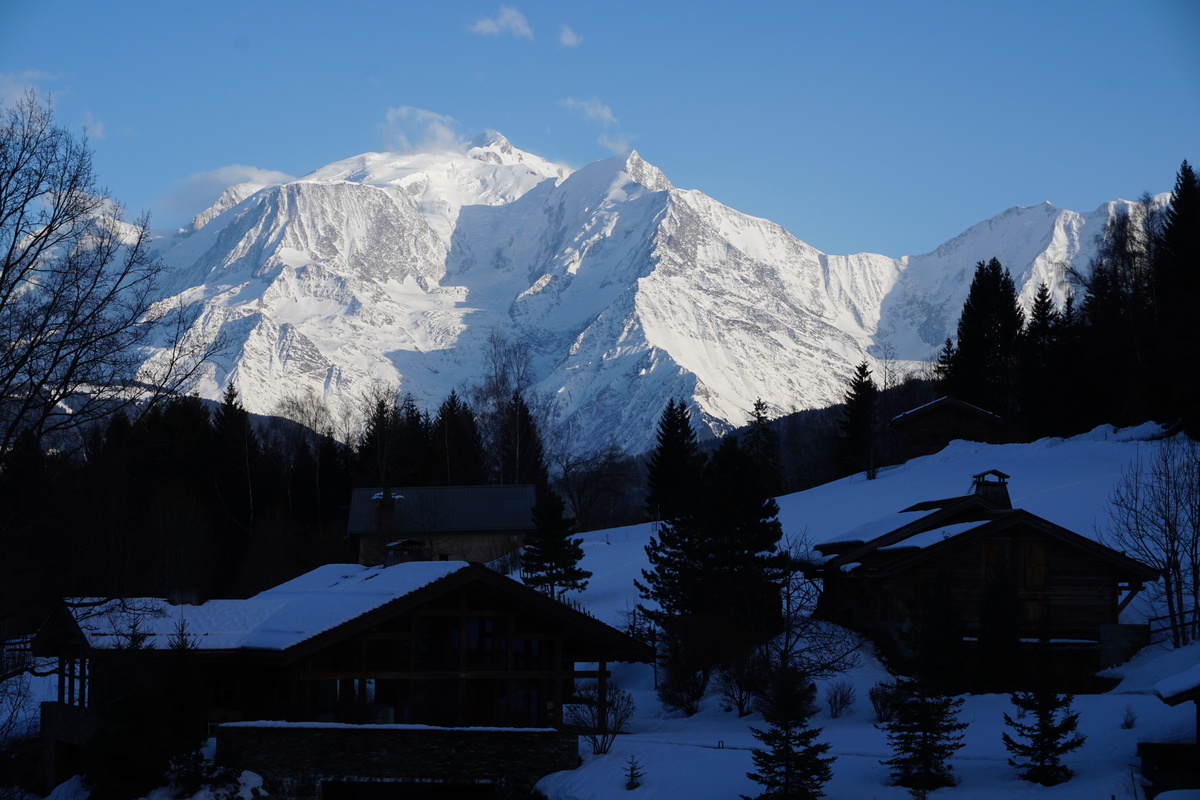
708,755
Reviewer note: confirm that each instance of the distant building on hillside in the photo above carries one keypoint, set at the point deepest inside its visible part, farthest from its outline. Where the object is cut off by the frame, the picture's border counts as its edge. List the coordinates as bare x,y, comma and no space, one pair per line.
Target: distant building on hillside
929,428
1053,596
440,523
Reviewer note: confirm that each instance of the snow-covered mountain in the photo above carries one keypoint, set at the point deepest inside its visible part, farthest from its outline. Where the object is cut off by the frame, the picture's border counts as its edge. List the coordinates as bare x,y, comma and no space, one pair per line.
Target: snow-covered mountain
396,268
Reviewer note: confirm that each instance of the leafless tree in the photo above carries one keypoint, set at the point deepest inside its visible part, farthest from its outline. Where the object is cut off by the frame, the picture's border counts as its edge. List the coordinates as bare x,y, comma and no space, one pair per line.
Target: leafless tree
592,480
1154,516
811,647
77,290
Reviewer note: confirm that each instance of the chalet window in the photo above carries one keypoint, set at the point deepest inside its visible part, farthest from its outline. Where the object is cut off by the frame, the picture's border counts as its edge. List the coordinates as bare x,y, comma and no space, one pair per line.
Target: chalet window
433,637
1036,612
1035,566
481,641
73,681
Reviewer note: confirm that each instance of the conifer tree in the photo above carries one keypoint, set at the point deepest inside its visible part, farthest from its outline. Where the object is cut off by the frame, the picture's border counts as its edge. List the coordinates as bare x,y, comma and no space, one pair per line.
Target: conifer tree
761,444
860,430
550,560
455,445
791,764
521,455
673,471
1038,382
982,370
924,734
1047,738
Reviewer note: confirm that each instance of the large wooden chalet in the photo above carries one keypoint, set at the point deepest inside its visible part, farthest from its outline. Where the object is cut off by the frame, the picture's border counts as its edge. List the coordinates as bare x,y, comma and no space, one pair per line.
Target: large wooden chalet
350,676
1058,595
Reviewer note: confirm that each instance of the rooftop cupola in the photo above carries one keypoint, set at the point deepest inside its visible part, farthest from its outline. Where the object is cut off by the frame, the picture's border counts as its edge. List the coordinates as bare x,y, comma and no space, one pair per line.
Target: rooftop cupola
992,486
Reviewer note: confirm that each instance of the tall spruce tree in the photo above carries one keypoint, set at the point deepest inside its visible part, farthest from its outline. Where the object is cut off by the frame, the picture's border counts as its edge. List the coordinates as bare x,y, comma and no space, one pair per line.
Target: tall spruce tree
455,446
923,734
1177,278
983,367
1038,374
859,424
673,472
791,764
521,455
761,444
1046,738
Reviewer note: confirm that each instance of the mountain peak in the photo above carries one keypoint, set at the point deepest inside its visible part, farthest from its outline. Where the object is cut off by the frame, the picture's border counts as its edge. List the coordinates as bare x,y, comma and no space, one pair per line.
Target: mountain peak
646,173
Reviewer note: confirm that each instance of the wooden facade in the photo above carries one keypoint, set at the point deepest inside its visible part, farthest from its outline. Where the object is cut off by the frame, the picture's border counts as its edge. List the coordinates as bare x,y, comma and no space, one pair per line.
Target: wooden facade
988,565
470,648
440,523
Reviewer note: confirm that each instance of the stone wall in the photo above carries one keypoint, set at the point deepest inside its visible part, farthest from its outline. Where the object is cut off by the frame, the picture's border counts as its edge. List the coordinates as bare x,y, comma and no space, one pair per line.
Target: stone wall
294,760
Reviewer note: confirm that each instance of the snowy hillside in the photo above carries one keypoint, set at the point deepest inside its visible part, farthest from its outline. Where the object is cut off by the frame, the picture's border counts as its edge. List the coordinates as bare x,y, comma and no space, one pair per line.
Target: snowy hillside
706,757
397,268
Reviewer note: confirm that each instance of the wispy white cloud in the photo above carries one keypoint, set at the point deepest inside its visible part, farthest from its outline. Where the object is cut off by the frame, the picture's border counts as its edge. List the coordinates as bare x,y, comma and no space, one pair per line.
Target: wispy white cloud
568,37
507,21
13,85
409,129
94,125
593,110
200,190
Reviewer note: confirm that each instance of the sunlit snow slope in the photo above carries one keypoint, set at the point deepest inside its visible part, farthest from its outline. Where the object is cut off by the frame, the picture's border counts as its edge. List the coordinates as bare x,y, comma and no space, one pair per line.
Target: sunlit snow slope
396,268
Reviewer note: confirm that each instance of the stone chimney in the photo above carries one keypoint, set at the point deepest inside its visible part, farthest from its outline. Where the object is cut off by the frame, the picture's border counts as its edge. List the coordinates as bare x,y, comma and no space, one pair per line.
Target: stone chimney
994,491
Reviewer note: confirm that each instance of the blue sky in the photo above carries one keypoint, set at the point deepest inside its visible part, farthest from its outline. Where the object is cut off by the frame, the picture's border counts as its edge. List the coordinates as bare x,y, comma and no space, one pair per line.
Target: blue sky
859,126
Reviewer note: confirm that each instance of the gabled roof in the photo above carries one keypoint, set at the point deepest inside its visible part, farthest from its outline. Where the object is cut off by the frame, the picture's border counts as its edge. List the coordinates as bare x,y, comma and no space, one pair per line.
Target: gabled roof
924,529
329,603
943,402
426,509
276,619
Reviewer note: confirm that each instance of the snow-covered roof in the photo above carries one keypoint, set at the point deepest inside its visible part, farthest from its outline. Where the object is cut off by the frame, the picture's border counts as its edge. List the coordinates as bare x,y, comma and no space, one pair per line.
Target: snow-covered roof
935,535
1186,682
876,527
276,619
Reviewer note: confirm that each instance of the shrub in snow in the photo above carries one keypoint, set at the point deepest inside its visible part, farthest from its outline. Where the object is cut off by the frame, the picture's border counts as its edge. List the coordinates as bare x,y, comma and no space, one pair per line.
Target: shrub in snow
883,700
924,734
600,722
738,681
839,696
1129,718
1049,736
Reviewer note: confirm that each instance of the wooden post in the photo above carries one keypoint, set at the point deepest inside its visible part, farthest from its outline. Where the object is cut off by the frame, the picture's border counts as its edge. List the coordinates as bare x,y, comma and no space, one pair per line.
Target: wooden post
602,699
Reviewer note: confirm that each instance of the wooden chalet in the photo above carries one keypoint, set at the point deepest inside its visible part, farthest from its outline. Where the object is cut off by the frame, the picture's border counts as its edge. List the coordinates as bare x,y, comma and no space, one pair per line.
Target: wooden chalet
439,523
1052,594
429,674
929,428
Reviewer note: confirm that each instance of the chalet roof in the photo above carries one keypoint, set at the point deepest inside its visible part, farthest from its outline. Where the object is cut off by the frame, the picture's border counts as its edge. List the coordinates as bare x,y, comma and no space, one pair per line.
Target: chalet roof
446,508
1181,687
943,402
898,541
328,603
276,619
